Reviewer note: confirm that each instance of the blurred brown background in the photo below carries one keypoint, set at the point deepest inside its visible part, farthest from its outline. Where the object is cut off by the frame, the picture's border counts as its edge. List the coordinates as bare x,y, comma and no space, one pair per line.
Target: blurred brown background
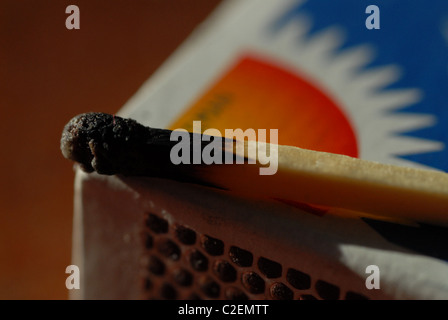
47,75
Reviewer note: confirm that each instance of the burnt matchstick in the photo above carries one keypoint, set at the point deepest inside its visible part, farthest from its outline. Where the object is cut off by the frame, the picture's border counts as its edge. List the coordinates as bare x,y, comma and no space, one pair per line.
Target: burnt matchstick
348,186
110,145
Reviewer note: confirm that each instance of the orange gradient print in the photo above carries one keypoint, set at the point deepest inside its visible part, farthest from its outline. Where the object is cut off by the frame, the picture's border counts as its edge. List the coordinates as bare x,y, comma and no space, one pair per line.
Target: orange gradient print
260,95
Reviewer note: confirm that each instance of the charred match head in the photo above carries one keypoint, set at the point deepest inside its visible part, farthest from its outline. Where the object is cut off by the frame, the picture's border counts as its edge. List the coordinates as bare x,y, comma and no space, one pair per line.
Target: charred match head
110,144
79,132
91,139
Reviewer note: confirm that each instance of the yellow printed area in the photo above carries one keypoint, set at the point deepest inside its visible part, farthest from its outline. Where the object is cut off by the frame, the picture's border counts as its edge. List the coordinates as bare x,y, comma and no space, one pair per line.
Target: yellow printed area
258,94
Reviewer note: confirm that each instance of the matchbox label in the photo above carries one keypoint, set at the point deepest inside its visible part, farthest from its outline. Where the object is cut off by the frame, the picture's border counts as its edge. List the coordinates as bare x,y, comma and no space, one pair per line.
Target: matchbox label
314,71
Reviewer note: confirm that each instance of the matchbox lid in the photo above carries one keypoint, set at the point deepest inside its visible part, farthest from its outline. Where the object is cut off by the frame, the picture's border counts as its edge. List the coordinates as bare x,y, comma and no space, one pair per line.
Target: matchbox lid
317,73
